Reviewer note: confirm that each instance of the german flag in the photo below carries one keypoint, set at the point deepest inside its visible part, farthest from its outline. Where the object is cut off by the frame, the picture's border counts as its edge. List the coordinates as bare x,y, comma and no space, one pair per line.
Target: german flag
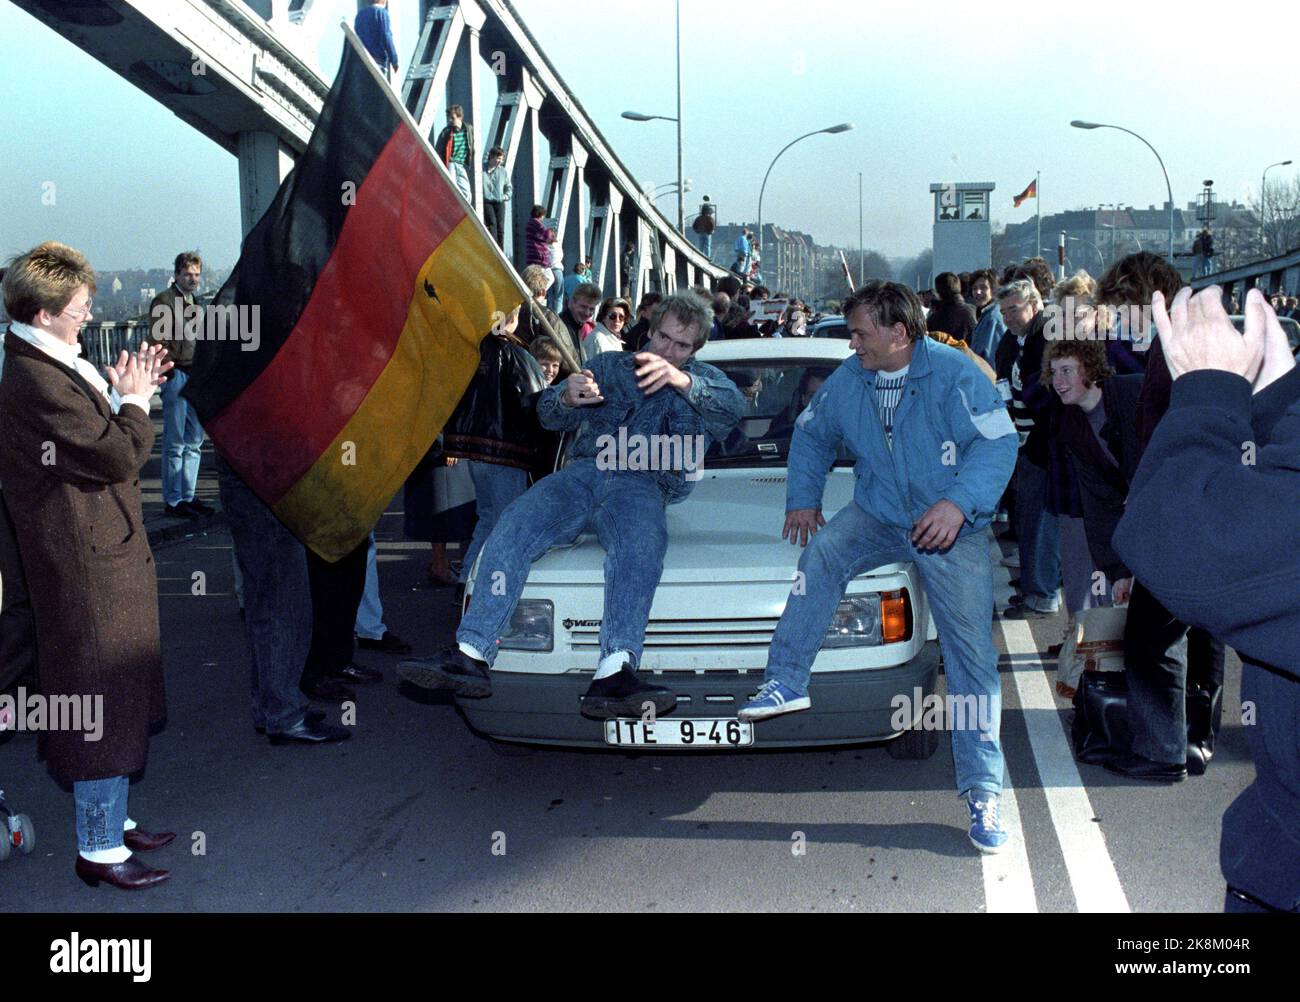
1030,192
371,283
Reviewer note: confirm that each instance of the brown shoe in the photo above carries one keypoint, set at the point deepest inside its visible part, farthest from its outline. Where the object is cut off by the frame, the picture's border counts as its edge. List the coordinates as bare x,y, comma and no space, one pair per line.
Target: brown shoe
129,875
138,840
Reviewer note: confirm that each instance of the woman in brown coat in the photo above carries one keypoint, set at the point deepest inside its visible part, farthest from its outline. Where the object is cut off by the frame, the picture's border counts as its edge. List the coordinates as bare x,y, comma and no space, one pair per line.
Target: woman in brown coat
70,456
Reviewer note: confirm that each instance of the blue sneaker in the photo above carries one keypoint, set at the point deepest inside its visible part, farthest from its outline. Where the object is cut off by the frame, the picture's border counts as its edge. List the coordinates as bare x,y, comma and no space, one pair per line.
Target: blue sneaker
773,699
986,831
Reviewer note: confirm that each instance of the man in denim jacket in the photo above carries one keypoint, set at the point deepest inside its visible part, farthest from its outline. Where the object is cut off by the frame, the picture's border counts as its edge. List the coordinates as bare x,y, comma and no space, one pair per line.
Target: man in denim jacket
622,407
935,449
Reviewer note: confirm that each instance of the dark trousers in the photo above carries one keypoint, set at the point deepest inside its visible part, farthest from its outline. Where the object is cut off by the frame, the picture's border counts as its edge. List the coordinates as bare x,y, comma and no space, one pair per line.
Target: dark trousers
17,625
494,217
336,591
277,604
1162,663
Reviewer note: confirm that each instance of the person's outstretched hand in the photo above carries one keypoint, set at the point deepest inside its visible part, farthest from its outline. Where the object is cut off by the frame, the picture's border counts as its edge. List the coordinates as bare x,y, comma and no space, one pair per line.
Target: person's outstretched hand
1197,335
1278,358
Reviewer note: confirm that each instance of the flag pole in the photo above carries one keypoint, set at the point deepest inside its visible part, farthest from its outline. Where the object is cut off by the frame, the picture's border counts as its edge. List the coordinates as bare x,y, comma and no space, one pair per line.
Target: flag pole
1038,206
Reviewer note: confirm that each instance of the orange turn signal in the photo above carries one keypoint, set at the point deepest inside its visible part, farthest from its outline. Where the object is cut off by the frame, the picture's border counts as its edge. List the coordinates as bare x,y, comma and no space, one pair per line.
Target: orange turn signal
895,616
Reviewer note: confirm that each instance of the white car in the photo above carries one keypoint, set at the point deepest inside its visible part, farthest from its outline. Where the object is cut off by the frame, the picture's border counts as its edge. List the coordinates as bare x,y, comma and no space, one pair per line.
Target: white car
727,574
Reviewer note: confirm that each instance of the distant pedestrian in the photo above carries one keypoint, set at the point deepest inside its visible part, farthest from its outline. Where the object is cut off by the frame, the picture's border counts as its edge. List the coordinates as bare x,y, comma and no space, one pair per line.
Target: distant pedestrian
607,335
743,249
951,314
989,326
496,192
705,223
537,239
580,274
555,254
375,30
170,327
455,144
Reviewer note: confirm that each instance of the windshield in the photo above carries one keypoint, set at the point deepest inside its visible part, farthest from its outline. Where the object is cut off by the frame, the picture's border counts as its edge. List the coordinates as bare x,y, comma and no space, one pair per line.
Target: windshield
776,396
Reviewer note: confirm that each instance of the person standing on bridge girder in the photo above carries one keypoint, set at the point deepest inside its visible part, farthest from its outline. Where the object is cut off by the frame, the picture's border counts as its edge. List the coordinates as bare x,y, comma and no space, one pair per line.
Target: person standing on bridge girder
376,33
456,147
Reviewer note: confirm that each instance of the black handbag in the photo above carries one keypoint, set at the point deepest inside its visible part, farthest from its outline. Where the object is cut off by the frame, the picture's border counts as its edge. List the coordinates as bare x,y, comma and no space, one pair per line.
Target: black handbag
1100,728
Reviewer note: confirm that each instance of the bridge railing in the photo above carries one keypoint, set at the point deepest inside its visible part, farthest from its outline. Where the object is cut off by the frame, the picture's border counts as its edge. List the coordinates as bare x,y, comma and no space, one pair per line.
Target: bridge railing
1274,274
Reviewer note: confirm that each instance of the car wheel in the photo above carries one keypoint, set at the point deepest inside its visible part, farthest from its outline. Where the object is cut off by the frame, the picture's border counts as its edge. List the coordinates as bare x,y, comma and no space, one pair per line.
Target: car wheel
914,745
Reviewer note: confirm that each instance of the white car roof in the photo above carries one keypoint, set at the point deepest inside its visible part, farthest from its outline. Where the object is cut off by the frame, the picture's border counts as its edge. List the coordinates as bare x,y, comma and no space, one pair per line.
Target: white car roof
774,350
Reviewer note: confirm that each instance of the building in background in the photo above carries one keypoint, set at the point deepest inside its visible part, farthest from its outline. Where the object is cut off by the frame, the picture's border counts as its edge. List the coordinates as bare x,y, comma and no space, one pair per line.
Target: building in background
963,235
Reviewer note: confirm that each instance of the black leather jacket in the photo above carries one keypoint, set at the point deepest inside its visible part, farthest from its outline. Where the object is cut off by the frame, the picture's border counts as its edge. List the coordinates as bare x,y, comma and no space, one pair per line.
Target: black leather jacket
496,419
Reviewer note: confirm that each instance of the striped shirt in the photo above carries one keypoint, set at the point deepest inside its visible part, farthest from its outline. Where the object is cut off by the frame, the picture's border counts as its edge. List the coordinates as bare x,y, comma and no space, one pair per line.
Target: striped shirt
1020,415
459,148
889,391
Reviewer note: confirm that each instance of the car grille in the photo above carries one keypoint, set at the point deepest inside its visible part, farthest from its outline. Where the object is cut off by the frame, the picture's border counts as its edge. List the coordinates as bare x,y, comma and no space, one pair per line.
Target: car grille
667,634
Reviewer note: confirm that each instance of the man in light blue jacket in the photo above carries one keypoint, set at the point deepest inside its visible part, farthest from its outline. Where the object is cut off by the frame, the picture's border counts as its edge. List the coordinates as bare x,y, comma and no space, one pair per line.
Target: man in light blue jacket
935,449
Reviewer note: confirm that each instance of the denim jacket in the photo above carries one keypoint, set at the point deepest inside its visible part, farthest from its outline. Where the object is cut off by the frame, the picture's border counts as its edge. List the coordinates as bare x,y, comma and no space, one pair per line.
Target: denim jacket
712,407
953,440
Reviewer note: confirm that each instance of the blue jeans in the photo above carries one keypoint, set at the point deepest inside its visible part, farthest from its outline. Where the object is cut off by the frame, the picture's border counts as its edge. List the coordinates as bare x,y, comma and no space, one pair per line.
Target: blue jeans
370,613
555,294
959,585
101,812
624,509
495,487
277,603
1038,536
706,244
181,439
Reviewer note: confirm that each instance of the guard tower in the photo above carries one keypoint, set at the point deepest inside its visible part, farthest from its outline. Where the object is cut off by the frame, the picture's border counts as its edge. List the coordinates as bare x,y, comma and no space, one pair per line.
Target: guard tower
963,235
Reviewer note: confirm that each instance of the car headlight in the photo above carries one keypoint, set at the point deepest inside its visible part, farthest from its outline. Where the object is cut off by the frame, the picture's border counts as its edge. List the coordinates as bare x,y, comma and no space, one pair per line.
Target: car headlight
532,627
856,623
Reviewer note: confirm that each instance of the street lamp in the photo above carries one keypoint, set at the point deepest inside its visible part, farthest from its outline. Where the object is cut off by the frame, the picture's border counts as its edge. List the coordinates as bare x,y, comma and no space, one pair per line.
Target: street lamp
1080,240
637,117
1099,125
831,131
1263,201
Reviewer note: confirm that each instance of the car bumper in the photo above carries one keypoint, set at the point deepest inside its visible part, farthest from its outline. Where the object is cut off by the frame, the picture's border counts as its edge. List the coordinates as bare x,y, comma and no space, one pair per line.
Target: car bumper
848,707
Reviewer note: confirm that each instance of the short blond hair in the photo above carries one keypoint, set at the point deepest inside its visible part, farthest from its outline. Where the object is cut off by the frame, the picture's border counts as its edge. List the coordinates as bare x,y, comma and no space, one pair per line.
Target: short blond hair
45,278
538,279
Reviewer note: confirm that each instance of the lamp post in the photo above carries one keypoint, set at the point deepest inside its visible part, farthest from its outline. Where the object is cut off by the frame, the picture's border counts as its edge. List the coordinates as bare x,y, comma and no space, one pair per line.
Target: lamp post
831,131
1168,187
1263,202
638,117
1080,240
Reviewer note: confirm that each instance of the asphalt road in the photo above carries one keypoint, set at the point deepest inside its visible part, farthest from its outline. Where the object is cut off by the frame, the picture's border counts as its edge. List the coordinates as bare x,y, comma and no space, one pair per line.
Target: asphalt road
418,813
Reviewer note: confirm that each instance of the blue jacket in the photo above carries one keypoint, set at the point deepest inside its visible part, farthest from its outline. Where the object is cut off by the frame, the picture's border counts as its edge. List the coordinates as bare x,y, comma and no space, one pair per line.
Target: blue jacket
712,407
952,440
1216,539
988,333
376,33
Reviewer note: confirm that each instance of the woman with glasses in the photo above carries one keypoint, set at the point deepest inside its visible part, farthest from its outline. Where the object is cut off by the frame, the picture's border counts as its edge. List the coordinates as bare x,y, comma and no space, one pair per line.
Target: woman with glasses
70,458
607,335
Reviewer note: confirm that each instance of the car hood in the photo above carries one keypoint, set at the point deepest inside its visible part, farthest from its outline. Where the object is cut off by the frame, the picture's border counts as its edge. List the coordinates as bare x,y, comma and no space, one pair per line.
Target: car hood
728,530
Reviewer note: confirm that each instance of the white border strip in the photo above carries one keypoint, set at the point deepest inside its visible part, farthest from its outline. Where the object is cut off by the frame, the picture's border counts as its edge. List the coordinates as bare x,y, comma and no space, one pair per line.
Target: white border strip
1092,873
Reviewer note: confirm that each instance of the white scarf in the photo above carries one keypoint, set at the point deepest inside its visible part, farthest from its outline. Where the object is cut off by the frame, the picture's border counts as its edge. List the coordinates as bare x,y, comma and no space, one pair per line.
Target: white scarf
69,355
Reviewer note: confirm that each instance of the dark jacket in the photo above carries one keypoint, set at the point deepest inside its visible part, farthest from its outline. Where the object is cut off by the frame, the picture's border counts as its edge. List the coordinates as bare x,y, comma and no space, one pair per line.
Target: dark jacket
496,419
167,327
443,145
90,572
1215,539
1157,384
952,316
1103,485
1031,401
537,243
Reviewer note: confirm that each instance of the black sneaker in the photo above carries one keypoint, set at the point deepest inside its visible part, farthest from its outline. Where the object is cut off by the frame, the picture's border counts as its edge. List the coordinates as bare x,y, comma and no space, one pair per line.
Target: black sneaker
200,507
182,510
449,670
625,695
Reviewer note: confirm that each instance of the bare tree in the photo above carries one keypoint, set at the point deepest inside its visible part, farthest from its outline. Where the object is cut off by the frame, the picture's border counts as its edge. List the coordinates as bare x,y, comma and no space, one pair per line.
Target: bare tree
1280,211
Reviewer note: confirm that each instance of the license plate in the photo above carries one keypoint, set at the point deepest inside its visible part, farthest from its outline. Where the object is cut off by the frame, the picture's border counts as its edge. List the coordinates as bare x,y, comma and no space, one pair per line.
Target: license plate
681,732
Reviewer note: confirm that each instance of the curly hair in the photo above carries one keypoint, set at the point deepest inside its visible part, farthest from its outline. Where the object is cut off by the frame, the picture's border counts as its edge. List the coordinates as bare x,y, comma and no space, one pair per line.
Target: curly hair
1040,273
1091,356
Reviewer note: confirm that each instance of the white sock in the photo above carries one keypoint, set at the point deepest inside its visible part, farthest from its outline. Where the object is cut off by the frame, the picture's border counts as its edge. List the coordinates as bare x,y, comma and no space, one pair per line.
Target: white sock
119,855
129,825
612,664
470,651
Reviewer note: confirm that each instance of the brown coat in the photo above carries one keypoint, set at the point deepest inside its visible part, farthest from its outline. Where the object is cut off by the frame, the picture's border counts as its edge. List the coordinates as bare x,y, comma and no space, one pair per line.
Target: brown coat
180,347
69,469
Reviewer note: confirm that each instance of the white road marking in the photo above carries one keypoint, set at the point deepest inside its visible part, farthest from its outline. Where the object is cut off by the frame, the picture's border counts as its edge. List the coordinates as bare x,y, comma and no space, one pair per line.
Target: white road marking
1008,882
1092,873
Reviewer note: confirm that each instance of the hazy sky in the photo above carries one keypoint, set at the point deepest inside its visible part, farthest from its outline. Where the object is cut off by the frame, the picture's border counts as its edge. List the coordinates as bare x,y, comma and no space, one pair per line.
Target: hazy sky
938,92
